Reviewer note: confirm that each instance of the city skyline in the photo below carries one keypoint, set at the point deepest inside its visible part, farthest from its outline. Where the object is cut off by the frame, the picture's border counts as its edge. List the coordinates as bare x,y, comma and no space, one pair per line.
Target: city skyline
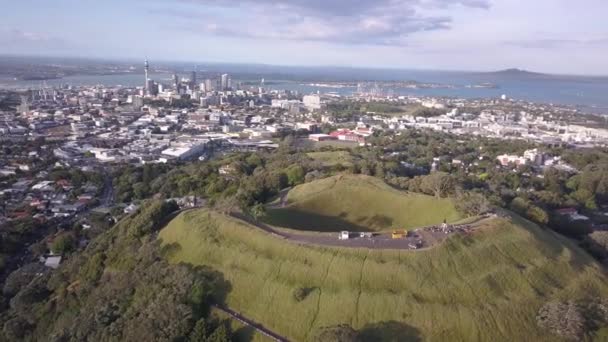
477,35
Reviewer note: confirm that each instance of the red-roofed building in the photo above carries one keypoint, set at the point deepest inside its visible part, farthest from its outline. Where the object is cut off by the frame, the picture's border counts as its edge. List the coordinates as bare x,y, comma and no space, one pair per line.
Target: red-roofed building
365,131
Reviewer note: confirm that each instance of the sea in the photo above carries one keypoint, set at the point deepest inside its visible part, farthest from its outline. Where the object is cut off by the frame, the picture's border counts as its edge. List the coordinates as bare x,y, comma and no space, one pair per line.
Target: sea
585,92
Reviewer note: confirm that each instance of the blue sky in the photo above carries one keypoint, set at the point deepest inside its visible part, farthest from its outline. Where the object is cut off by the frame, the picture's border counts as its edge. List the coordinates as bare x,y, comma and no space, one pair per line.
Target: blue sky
558,36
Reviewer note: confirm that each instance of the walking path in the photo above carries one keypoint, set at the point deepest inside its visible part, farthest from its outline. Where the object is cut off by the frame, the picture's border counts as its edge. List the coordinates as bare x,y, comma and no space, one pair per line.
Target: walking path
248,322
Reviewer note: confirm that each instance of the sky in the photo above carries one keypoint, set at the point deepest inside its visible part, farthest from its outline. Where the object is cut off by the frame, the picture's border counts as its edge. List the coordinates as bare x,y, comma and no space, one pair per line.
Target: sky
554,36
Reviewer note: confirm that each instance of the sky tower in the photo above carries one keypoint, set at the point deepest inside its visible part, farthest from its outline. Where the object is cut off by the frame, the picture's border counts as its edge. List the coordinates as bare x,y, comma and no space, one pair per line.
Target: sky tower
146,67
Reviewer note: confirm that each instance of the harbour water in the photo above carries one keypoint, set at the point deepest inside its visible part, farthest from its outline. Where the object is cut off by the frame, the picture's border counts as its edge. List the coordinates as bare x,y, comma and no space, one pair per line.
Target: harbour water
591,93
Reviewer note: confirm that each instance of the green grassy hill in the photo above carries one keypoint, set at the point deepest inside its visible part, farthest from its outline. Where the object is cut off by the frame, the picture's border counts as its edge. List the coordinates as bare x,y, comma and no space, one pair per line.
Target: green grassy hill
484,287
358,203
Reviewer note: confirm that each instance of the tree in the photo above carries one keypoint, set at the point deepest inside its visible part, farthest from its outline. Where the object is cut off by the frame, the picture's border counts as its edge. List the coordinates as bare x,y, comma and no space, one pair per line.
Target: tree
585,198
537,215
295,175
220,334
200,331
258,211
472,203
520,205
64,243
141,190
439,184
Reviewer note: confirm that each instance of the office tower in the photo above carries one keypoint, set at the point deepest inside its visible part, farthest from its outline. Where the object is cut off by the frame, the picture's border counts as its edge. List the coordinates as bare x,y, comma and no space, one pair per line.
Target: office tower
208,85
175,82
224,82
146,67
149,87
193,80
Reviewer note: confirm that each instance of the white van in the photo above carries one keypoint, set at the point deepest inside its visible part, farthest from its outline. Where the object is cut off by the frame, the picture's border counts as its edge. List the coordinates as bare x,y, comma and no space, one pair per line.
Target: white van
344,235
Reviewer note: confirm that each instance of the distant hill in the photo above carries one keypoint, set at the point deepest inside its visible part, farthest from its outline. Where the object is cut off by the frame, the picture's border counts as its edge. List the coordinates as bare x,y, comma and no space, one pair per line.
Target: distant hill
514,72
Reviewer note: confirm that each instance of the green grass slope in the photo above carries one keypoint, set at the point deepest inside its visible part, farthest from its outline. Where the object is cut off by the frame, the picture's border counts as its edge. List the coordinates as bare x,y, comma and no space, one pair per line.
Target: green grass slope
484,287
358,203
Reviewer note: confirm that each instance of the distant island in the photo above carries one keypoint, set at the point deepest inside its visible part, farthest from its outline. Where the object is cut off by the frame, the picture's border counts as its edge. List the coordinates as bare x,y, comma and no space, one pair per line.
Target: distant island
515,72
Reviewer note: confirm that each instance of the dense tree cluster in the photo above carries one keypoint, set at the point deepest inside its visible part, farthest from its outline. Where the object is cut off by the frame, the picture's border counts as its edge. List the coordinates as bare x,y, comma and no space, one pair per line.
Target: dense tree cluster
14,234
466,168
119,288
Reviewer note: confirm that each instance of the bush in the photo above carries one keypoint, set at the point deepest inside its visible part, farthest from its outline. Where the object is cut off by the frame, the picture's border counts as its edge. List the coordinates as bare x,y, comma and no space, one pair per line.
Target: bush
338,333
574,320
300,293
564,319
64,243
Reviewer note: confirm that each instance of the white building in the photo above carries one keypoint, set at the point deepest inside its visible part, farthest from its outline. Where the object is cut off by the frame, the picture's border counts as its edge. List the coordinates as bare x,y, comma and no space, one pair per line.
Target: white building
184,152
507,159
312,102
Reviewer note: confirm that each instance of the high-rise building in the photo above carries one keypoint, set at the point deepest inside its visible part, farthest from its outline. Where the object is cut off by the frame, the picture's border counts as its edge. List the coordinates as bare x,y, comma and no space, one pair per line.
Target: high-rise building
193,80
224,82
25,106
175,82
208,85
146,67
312,102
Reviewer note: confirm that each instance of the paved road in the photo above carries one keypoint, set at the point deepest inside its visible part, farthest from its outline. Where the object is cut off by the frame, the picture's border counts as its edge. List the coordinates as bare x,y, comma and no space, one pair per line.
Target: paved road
380,241
282,202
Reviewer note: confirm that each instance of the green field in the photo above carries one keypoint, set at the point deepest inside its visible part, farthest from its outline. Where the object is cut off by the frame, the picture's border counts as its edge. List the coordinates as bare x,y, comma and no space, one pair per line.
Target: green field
485,287
358,203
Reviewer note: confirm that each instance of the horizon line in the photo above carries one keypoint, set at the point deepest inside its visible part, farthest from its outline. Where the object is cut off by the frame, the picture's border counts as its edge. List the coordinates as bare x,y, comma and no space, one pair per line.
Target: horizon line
324,66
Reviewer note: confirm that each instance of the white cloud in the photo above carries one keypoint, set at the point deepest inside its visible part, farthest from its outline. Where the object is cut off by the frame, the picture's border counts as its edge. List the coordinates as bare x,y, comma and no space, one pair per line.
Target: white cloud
372,22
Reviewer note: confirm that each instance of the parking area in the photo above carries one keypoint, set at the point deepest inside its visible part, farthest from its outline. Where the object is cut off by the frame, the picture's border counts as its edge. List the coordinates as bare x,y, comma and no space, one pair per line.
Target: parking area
416,239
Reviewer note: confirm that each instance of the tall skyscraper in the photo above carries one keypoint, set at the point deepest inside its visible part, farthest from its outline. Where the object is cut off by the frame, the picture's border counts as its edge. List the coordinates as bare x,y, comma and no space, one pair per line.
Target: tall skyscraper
224,82
175,82
208,85
146,67
193,80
